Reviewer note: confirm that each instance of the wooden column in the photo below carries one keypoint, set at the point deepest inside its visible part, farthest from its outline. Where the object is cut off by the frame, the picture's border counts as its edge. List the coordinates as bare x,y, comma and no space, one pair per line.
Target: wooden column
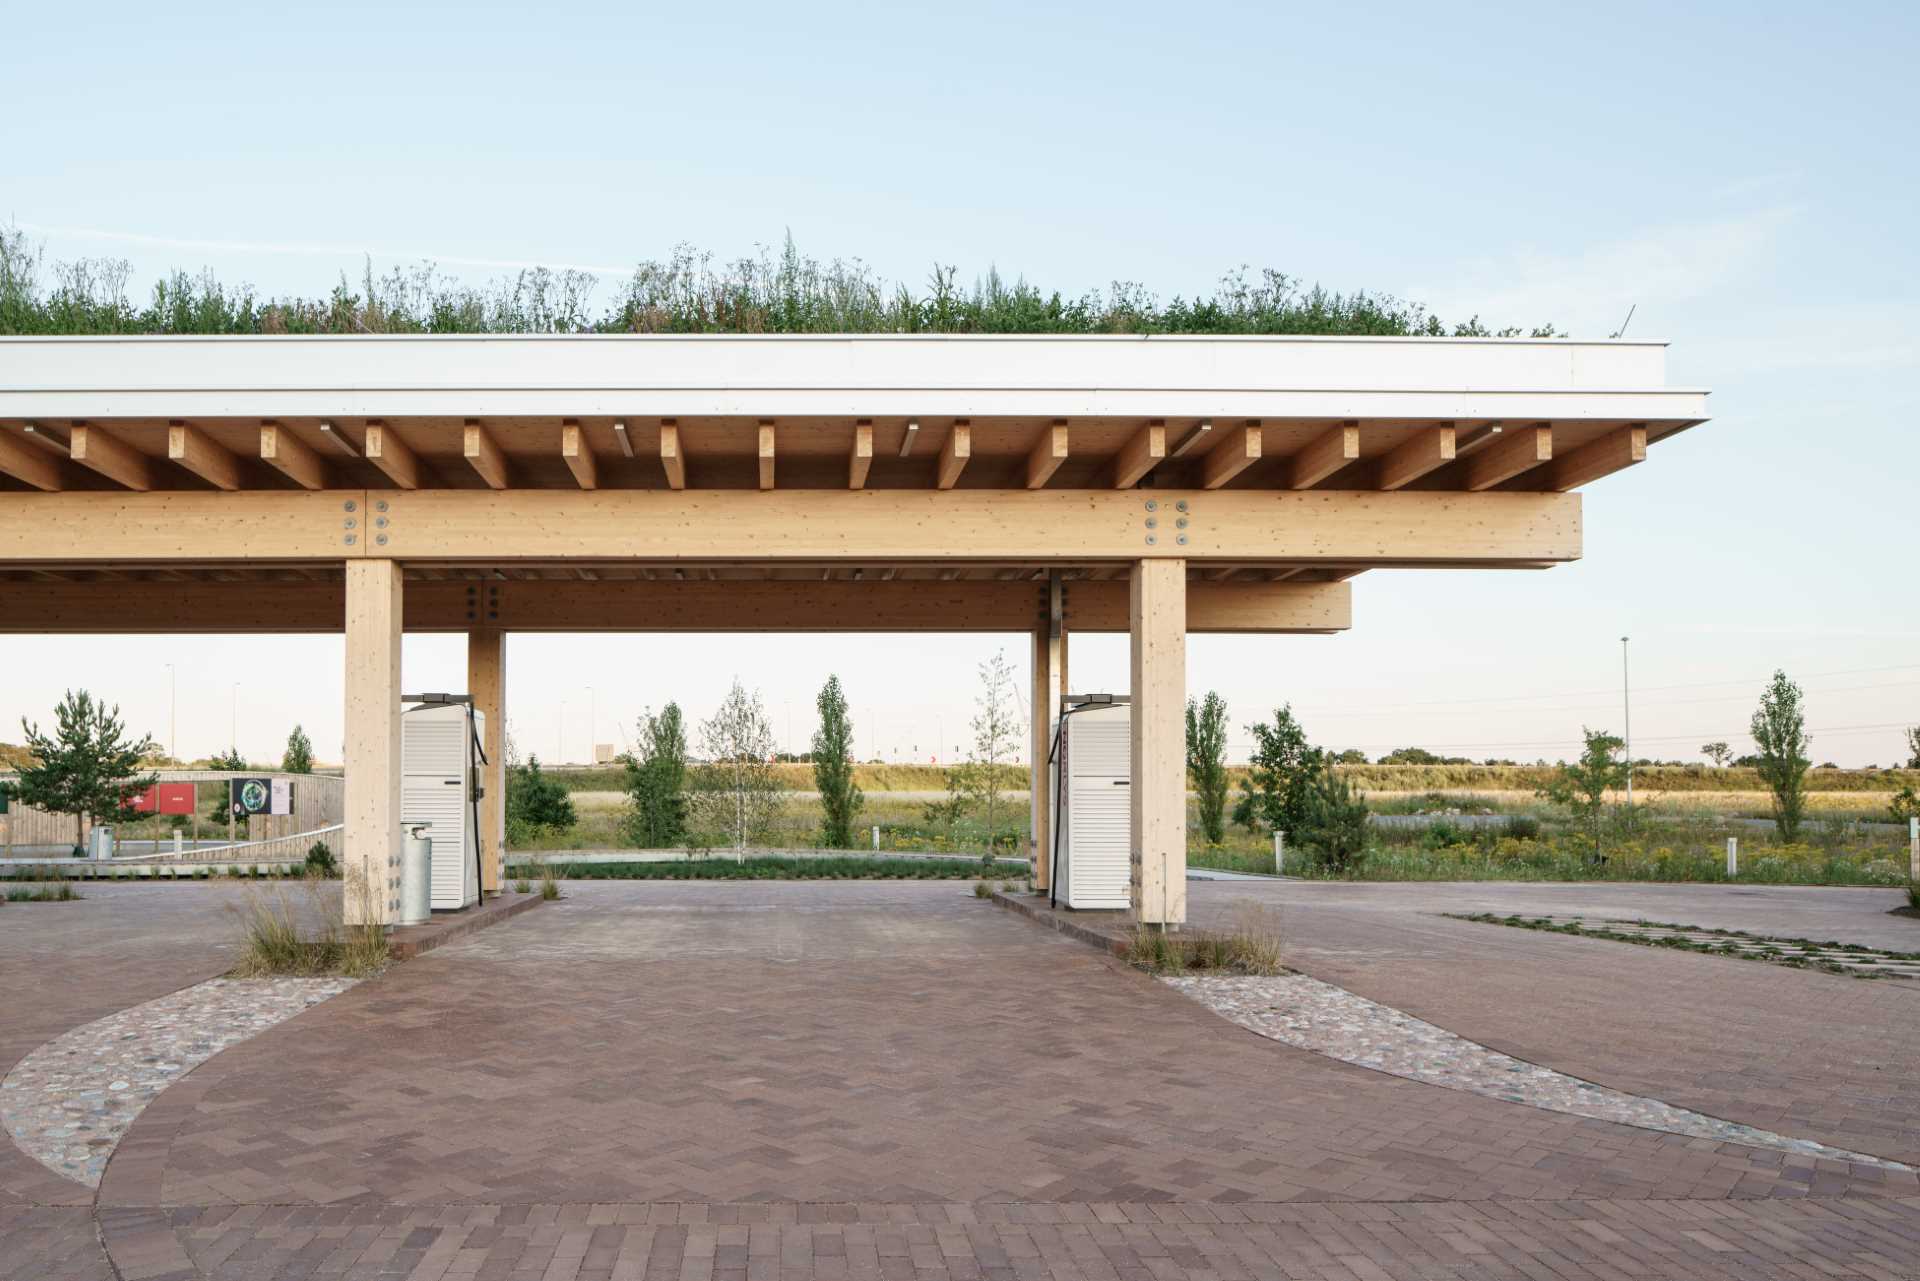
1048,684
1158,614
372,836
487,684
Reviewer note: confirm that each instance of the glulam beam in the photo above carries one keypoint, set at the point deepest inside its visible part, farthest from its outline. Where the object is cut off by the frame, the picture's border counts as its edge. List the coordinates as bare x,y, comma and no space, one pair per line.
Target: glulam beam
767,443
672,461
1047,454
391,455
1513,454
1426,449
483,454
1140,455
292,457
28,463
1233,455
1617,450
954,453
110,456
1327,454
860,458
578,457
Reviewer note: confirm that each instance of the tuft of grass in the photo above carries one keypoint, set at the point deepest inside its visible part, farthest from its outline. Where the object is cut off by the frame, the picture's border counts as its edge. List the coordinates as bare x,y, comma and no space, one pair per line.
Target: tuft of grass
769,867
982,890
61,893
1251,946
303,935
1913,896
521,885
549,883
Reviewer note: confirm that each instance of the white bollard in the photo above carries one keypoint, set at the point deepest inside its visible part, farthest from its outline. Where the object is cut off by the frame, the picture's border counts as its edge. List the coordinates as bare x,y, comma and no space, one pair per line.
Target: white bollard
1279,853
1733,857
1913,849
178,843
876,838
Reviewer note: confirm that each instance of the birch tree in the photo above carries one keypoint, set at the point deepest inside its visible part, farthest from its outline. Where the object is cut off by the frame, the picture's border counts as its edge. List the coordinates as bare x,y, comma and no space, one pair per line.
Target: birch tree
735,791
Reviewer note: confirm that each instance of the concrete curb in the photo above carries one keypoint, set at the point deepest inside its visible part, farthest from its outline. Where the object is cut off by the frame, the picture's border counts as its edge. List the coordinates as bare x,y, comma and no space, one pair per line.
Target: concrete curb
1072,929
408,941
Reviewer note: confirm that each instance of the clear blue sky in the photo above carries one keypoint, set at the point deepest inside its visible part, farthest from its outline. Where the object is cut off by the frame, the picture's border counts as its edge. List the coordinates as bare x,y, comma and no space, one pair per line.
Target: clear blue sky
1741,174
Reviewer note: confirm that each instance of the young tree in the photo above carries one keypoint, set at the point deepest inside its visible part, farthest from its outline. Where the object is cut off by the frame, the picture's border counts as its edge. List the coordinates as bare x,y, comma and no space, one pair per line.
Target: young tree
735,790
656,781
298,758
1582,786
996,734
840,800
1779,730
1207,763
1274,792
1334,820
1913,747
218,795
535,803
88,767
1718,753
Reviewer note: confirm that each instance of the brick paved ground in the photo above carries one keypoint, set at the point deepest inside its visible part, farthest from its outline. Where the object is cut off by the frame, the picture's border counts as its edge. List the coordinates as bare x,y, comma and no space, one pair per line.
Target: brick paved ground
821,1082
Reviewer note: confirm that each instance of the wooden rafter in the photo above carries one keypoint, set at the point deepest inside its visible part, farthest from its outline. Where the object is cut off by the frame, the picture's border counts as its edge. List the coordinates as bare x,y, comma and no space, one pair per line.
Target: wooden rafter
1047,455
28,463
1140,455
861,457
1618,449
483,453
1326,455
1511,455
766,453
1424,450
215,464
1239,451
111,457
954,454
390,454
672,460
578,457
281,450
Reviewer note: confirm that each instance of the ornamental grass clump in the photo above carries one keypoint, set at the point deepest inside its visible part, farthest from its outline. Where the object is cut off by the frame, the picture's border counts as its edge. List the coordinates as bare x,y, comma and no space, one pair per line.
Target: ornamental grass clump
1250,947
302,934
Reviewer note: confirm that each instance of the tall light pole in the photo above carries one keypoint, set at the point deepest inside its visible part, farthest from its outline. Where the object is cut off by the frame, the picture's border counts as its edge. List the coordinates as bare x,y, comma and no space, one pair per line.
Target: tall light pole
560,736
233,725
173,715
1626,707
593,727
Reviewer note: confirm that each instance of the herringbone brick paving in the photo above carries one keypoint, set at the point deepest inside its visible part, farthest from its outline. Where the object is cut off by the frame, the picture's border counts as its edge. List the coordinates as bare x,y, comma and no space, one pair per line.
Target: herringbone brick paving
801,1082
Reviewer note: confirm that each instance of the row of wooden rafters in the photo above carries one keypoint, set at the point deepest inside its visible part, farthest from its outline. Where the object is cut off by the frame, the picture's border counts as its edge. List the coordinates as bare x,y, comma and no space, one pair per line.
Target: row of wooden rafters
1494,455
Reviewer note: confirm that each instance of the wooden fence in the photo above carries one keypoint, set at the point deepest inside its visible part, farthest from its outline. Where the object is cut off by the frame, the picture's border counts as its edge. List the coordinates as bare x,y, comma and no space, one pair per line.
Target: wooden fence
318,801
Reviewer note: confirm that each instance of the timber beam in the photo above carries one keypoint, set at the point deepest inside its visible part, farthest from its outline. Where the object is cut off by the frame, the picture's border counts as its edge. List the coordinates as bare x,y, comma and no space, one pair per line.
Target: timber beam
1045,527
262,608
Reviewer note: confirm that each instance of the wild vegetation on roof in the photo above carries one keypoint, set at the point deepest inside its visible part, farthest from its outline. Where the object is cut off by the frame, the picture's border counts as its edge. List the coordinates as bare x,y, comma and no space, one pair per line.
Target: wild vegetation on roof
688,292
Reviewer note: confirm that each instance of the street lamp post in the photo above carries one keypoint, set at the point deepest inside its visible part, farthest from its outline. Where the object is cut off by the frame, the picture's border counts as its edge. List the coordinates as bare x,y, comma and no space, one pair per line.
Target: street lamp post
1626,708
173,715
593,727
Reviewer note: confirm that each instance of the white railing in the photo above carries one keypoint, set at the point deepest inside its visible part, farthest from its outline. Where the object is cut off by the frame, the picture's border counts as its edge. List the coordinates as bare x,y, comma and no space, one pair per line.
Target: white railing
277,849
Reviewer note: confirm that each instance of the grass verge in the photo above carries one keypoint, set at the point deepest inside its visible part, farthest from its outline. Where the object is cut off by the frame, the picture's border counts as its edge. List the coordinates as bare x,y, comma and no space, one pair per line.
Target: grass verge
762,868
1734,943
61,893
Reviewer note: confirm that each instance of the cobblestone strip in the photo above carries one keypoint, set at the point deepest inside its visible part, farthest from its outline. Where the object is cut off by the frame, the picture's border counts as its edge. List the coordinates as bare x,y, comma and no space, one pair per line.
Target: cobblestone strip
68,1103
1312,1015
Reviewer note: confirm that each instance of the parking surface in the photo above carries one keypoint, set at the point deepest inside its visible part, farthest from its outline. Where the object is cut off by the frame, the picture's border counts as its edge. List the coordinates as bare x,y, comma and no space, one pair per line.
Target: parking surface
840,1080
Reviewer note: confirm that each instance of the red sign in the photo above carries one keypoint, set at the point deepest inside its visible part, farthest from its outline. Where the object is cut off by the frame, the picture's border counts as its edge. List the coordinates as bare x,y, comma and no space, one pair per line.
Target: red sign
164,798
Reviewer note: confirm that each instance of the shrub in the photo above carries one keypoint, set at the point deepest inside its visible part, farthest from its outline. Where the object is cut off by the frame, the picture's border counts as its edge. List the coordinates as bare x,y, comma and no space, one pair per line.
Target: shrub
1521,827
982,890
320,860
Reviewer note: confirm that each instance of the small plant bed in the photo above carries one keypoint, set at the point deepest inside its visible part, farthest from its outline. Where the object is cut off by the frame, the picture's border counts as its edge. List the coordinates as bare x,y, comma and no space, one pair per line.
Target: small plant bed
1809,954
61,893
761,868
1251,947
303,935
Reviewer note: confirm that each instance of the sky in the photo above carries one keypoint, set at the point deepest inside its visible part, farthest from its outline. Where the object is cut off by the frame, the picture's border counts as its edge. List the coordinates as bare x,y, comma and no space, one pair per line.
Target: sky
1739,177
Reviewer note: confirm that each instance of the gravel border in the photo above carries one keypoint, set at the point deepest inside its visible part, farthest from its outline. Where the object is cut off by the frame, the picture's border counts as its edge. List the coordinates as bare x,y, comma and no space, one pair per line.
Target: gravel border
68,1103
1311,1015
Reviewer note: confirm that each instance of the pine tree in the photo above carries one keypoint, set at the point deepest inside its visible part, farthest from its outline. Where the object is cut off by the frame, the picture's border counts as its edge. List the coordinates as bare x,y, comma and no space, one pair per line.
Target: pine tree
298,758
840,799
88,767
1207,763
